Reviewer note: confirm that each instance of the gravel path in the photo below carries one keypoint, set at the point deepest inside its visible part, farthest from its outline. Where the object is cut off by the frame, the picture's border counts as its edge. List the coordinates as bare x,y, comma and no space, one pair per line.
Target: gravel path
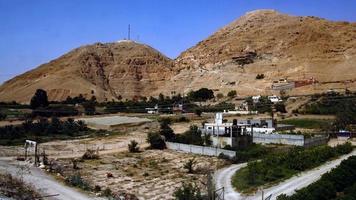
43,182
223,179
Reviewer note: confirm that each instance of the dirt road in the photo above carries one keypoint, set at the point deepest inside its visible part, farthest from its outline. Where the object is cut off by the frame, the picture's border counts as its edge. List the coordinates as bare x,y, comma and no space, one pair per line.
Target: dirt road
41,181
223,179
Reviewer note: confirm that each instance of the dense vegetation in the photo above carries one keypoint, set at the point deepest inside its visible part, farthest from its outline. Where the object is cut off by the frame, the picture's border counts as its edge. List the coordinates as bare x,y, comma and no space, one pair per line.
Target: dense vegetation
338,184
278,166
164,103
307,123
42,130
203,94
330,104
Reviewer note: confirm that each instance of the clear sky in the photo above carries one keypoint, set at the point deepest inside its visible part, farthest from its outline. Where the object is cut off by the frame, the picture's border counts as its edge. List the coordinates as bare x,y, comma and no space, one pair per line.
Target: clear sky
33,32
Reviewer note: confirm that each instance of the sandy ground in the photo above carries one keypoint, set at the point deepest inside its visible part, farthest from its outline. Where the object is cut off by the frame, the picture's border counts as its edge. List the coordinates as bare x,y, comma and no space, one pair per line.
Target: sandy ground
150,174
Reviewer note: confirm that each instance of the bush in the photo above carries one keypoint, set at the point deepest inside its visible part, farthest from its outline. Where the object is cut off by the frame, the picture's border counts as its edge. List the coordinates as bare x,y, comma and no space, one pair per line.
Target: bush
155,140
260,76
133,147
198,112
220,95
188,191
190,165
232,94
107,192
192,136
2,116
16,188
76,180
90,154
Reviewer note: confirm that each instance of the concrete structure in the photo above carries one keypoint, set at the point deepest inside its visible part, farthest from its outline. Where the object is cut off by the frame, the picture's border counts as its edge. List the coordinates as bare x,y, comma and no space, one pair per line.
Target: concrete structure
239,132
288,139
202,150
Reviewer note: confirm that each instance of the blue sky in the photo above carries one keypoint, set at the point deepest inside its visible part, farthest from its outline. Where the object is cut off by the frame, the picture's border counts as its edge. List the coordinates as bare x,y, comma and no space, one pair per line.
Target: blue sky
34,32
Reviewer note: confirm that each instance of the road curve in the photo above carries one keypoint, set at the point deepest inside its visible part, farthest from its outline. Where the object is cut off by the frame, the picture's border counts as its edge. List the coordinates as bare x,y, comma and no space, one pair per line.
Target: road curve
223,179
43,182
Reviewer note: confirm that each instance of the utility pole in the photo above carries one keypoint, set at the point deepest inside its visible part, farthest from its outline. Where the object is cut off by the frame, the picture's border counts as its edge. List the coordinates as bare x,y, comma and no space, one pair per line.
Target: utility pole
128,34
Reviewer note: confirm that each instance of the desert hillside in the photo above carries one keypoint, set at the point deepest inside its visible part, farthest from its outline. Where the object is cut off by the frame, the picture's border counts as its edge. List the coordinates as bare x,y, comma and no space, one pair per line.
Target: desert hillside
109,71
260,42
276,45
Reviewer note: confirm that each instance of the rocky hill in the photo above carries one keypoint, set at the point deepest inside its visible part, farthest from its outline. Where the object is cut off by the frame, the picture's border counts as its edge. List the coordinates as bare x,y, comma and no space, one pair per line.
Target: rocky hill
124,69
260,42
276,45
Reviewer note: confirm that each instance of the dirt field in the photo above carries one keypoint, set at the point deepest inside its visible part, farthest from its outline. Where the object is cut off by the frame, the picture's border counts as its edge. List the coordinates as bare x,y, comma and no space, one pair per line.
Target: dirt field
151,174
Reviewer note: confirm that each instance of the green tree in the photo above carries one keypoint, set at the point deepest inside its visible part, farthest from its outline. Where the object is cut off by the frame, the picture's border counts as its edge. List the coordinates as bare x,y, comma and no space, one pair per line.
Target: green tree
203,94
39,99
155,140
166,130
188,191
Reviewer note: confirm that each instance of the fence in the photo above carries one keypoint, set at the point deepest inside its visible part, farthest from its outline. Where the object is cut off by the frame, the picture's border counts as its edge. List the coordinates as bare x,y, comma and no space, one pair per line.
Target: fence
202,150
297,140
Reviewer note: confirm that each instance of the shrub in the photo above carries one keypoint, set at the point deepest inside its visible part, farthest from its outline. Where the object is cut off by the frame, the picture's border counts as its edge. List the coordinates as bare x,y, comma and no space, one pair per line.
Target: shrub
76,180
232,94
260,76
2,116
16,188
155,140
133,147
192,136
107,192
188,191
220,95
198,112
90,154
190,165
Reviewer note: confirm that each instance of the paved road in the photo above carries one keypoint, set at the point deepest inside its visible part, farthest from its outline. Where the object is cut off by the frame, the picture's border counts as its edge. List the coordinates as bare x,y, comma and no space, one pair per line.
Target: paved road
43,182
223,179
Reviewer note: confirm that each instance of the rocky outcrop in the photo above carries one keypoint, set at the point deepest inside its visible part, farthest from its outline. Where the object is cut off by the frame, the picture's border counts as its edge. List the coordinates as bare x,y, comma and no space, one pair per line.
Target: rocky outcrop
124,69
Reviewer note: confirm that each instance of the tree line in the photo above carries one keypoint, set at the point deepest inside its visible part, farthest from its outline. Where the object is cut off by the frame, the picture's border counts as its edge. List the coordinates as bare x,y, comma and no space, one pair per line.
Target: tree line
16,134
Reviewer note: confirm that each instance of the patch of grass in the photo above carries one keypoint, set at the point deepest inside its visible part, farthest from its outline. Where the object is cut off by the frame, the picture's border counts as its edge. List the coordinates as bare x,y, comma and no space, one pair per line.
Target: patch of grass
241,180
307,123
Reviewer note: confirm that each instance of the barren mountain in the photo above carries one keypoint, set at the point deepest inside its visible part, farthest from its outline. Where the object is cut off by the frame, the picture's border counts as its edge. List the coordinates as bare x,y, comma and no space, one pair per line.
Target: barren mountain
109,71
260,42
276,45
